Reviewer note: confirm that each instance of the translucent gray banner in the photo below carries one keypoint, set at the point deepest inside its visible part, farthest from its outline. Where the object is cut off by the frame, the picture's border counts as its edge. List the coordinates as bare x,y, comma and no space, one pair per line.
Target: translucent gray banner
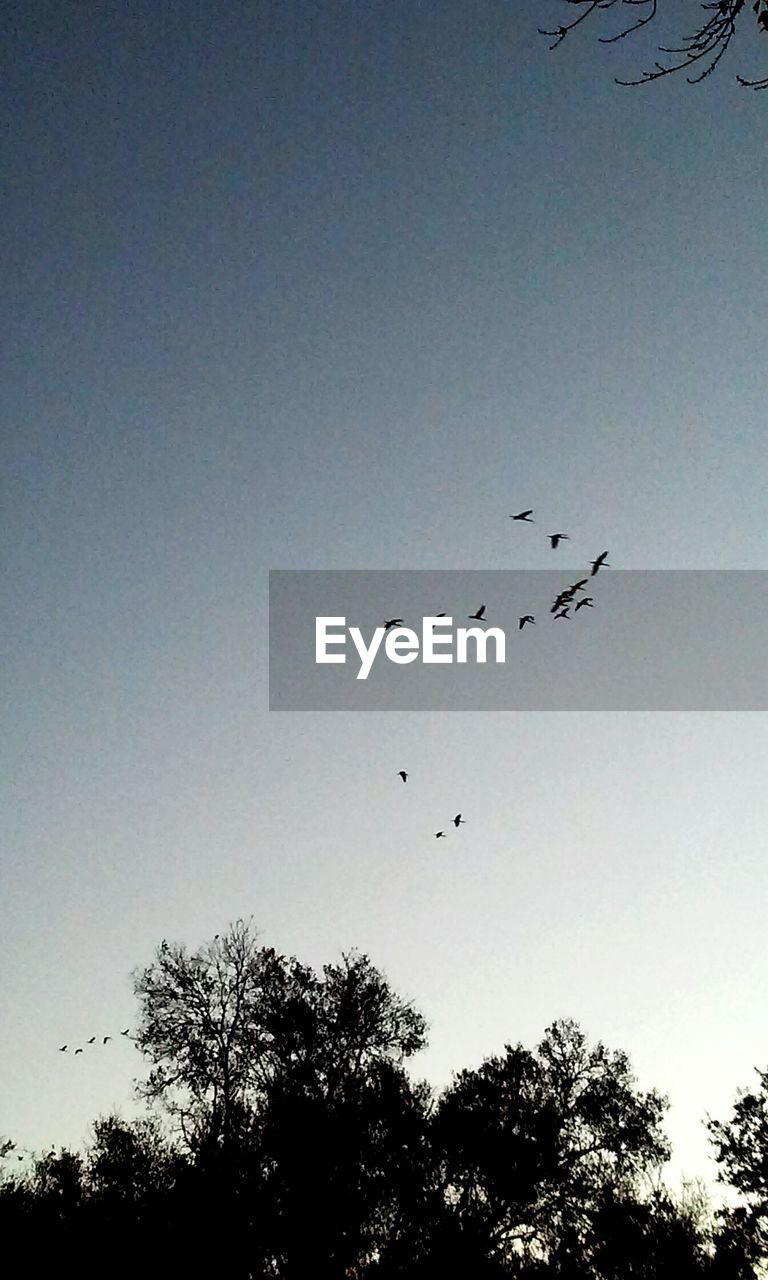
645,640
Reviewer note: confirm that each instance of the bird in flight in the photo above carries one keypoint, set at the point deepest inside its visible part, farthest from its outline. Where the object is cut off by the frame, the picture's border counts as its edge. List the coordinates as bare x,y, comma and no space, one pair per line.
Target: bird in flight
586,603
106,1038
599,563
392,622
563,614
92,1040
458,821
580,585
524,515
479,616
402,774
528,617
556,538
126,1032
439,835
564,597
62,1048
78,1051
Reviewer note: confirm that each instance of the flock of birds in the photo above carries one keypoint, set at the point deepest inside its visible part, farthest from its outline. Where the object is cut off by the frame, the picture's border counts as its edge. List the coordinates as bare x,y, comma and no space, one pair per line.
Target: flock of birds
63,1048
457,819
560,610
561,606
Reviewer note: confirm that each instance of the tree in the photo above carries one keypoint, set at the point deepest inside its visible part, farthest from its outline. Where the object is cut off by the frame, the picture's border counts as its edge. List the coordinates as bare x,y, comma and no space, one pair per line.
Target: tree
292,1097
741,1150
224,1026
533,1143
699,52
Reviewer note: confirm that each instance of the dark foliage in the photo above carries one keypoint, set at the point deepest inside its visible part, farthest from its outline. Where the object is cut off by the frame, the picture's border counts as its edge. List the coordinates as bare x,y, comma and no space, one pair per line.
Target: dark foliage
286,1140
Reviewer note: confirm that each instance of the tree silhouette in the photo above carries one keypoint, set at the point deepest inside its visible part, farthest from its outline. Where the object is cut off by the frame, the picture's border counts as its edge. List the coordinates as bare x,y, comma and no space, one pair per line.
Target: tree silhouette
532,1142
741,1150
286,1139
709,36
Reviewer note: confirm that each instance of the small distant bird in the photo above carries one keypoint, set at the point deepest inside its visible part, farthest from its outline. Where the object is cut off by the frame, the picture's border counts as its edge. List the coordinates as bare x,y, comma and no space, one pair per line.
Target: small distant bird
586,603
458,821
479,616
439,835
402,774
128,1029
62,1048
524,515
78,1051
580,585
527,617
106,1038
92,1040
556,538
562,614
565,597
599,563
392,622
440,615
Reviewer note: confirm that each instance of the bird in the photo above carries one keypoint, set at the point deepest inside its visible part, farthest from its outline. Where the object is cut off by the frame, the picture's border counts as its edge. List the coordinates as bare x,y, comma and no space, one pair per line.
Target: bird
392,622
439,615
527,617
402,774
478,617
127,1031
92,1040
555,538
106,1038
586,603
439,835
78,1051
580,585
565,597
524,515
62,1048
458,821
599,563
562,614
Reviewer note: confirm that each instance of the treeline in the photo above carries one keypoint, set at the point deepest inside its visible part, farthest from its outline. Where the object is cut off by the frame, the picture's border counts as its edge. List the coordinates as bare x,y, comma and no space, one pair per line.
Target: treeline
286,1138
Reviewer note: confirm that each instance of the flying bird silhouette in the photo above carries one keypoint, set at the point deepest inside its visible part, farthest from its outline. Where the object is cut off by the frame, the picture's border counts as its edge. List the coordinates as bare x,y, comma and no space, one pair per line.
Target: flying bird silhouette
127,1031
62,1048
458,821
439,835
563,614
580,585
402,774
92,1040
556,538
600,563
392,622
585,603
527,617
479,616
78,1051
524,515
106,1038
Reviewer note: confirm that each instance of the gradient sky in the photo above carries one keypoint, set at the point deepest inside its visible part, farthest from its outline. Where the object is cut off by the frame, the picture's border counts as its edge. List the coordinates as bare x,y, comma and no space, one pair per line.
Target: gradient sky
340,286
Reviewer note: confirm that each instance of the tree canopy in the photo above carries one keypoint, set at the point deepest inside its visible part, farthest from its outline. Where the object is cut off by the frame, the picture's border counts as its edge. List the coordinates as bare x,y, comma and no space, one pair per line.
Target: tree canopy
285,1137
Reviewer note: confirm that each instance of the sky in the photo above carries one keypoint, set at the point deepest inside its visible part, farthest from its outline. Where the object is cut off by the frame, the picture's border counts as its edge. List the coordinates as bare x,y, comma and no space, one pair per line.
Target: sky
340,286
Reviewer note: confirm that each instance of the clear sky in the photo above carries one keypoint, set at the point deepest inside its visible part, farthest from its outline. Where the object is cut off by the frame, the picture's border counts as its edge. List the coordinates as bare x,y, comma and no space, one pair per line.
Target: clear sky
341,286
